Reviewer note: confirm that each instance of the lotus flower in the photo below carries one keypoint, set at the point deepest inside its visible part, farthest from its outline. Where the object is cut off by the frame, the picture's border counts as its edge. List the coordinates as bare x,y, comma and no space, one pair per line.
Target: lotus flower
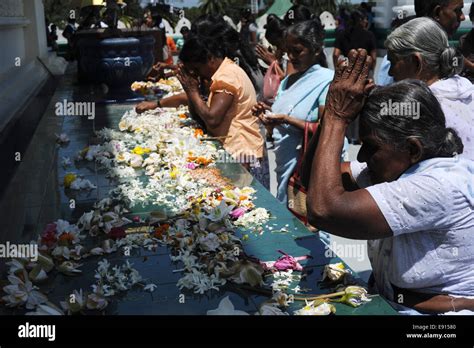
285,263
355,296
236,213
46,262
226,308
316,308
335,272
21,292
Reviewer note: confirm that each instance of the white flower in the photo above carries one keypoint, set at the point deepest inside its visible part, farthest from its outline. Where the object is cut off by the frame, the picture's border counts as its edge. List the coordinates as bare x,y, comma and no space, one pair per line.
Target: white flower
85,221
66,162
210,242
82,184
226,308
97,251
21,292
62,139
15,266
64,226
69,268
253,219
96,302
316,308
136,161
61,251
355,296
334,272
220,212
150,287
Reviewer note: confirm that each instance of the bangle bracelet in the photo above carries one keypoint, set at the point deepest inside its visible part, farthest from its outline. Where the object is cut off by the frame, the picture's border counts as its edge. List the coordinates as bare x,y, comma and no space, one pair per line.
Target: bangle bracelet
452,303
158,103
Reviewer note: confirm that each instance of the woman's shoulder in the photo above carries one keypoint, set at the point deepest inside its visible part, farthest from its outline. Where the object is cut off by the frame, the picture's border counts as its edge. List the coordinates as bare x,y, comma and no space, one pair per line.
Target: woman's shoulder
323,73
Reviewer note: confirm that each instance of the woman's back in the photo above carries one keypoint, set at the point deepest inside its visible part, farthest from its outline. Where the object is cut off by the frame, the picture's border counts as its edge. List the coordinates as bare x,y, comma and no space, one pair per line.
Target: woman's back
456,96
239,123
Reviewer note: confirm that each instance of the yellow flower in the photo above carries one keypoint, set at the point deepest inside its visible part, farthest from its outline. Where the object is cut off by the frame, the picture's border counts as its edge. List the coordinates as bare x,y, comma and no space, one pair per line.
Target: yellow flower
69,179
141,150
174,173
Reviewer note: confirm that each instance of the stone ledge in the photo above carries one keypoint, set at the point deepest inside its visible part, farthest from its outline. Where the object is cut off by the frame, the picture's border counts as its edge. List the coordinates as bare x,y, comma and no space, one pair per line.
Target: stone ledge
18,87
13,22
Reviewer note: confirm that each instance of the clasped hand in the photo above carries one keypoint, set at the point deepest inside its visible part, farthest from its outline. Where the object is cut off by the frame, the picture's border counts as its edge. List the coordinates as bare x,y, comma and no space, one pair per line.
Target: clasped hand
350,88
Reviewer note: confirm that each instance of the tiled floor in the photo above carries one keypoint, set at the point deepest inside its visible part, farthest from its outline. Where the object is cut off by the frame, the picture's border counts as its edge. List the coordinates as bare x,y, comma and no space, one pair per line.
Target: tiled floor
36,197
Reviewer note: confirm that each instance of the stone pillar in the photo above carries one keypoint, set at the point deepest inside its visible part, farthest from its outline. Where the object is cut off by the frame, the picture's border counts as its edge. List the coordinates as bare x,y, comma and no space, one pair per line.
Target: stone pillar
12,38
36,31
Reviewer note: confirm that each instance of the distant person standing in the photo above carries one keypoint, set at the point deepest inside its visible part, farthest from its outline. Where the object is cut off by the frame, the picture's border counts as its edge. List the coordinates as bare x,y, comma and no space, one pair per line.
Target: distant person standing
355,36
365,7
68,34
248,30
53,37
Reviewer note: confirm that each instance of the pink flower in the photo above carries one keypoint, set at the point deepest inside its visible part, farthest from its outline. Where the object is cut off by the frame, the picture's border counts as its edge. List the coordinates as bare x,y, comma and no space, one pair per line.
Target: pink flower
48,237
191,166
285,263
236,213
136,219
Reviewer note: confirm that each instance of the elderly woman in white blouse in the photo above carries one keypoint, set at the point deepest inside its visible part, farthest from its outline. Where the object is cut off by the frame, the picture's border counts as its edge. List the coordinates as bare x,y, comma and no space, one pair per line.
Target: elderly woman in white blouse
408,195
420,50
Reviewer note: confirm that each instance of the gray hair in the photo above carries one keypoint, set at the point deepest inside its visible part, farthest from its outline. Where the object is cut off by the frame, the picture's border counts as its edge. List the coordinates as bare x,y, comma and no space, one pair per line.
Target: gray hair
429,125
427,37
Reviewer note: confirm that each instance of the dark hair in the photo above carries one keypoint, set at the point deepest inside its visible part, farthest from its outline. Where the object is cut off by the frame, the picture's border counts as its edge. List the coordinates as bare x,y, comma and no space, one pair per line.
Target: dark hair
428,126
471,11
356,17
424,8
217,36
205,25
196,50
247,14
296,14
311,35
275,29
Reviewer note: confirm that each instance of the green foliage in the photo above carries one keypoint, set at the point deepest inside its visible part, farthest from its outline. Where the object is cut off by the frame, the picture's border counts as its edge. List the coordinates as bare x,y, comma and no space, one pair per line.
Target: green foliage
214,7
57,11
